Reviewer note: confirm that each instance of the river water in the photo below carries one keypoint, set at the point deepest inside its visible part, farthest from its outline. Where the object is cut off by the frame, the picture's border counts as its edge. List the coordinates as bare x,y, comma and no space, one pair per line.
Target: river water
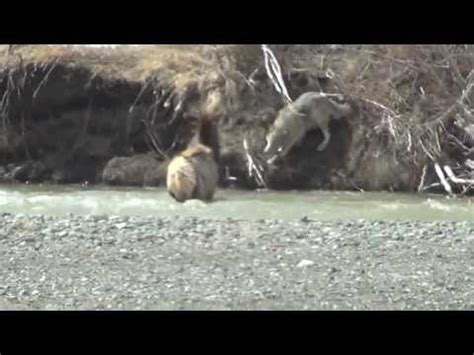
318,205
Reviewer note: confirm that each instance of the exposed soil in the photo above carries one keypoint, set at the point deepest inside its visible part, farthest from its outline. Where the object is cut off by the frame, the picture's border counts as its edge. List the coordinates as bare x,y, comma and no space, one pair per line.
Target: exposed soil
67,113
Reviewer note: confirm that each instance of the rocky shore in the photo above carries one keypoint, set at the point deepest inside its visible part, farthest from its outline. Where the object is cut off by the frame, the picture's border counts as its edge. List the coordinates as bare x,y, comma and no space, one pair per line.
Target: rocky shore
101,262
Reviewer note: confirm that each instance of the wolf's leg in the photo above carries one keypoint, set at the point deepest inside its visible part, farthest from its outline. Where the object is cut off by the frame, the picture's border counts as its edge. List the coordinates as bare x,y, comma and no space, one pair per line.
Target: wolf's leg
327,137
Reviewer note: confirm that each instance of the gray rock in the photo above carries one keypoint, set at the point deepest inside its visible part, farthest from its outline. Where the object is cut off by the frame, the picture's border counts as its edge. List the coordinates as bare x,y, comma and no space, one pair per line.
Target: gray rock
138,170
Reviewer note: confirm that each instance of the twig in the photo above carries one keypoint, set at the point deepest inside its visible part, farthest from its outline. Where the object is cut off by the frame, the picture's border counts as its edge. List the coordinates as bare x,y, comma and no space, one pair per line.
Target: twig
274,72
425,150
459,102
469,163
351,182
422,178
154,140
456,139
453,65
438,144
252,166
140,94
172,145
385,108
179,107
157,103
247,81
466,184
228,177
45,78
443,180
409,141
456,179
427,187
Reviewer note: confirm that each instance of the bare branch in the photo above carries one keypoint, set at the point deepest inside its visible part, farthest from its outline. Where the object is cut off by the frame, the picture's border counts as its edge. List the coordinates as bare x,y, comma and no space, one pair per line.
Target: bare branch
253,167
443,180
422,178
45,78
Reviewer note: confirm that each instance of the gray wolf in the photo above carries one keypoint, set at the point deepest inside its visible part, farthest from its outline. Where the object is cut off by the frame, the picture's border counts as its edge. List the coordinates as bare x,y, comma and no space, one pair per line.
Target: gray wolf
310,111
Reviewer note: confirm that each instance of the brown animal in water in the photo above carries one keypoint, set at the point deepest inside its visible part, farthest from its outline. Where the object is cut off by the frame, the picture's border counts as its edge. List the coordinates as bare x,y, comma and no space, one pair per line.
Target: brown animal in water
194,173
311,110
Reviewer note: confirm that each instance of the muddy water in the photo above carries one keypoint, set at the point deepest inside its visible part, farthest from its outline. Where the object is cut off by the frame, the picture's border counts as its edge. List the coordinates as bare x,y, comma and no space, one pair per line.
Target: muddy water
319,205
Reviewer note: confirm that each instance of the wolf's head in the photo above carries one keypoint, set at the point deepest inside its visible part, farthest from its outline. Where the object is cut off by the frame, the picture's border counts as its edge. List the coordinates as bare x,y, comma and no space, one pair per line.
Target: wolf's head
278,139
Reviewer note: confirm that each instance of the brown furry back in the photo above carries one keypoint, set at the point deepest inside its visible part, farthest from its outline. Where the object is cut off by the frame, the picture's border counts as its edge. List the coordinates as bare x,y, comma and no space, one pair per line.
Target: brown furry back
181,179
193,173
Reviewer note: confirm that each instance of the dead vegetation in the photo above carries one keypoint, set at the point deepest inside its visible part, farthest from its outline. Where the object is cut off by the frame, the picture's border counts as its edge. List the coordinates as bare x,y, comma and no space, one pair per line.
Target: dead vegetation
414,102
409,97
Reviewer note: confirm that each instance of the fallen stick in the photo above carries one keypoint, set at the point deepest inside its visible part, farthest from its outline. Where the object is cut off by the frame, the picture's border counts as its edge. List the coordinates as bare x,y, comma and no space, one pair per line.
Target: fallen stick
456,179
437,184
442,178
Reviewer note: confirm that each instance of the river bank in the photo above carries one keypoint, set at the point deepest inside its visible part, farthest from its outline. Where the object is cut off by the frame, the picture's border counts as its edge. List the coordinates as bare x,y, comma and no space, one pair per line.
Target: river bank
72,114
100,262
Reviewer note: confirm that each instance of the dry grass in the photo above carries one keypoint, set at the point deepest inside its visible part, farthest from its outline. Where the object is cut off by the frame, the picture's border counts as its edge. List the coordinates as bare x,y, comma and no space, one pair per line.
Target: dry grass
133,63
406,89
406,93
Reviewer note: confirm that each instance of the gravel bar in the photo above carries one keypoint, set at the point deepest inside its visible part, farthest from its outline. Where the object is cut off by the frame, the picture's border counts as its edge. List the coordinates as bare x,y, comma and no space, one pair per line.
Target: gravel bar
100,262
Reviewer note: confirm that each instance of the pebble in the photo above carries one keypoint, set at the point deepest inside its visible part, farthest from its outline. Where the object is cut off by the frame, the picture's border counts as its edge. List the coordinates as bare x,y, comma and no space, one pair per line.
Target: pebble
63,233
304,263
121,225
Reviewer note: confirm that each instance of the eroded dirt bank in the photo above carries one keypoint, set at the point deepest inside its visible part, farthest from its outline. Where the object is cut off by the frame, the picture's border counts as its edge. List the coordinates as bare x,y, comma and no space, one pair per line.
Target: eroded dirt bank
71,115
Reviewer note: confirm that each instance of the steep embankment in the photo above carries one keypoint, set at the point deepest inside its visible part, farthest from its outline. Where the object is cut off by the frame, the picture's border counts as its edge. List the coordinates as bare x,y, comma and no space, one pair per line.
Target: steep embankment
68,113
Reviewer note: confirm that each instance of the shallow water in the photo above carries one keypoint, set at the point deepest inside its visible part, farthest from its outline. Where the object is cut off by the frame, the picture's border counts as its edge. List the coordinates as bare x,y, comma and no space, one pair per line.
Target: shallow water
318,205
